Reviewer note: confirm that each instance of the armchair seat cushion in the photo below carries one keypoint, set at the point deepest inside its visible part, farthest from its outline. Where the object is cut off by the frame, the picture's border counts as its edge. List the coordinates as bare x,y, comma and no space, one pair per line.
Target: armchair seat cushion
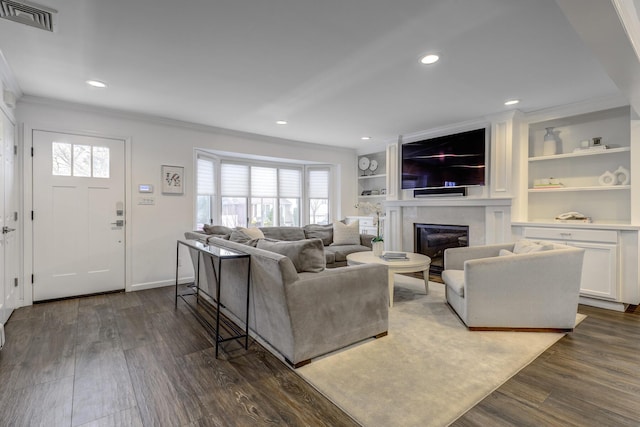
454,280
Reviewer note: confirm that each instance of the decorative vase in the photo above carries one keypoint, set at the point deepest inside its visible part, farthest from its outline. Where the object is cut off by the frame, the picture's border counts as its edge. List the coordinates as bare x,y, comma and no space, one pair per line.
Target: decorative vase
550,146
607,179
377,248
622,176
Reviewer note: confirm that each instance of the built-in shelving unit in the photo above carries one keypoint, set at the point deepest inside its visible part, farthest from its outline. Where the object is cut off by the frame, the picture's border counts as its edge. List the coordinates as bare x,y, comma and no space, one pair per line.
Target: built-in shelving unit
578,169
593,179
372,183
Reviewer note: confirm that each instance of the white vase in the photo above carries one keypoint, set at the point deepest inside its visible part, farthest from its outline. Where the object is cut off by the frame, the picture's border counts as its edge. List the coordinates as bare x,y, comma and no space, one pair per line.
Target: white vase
550,145
622,176
377,247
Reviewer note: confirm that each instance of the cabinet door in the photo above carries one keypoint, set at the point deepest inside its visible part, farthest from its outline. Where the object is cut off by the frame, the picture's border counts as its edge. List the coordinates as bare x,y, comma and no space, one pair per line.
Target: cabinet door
599,272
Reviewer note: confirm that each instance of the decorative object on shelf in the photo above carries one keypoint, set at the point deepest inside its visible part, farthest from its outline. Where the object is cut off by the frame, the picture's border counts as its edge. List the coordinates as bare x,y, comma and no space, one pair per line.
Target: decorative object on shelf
585,143
550,145
569,217
383,191
363,164
547,183
607,179
172,179
373,166
375,192
377,243
597,141
622,176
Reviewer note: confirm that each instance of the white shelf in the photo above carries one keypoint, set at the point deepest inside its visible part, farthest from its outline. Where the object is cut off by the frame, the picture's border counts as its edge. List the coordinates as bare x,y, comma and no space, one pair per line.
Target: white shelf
373,197
381,175
592,188
581,154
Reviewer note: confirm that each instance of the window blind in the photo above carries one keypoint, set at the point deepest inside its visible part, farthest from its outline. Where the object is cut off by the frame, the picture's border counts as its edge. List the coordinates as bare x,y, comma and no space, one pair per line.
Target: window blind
319,183
289,183
234,180
206,177
264,182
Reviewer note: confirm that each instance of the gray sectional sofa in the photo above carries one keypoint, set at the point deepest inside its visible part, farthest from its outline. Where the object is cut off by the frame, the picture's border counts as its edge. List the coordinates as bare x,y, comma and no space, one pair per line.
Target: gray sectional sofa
298,308
336,255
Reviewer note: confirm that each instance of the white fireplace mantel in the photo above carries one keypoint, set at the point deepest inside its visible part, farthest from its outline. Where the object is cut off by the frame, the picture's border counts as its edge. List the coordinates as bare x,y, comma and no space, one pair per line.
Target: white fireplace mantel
449,201
489,219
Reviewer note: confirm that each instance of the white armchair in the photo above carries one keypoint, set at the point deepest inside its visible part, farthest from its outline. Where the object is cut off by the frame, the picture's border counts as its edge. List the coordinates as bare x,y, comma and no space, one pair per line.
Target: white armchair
537,288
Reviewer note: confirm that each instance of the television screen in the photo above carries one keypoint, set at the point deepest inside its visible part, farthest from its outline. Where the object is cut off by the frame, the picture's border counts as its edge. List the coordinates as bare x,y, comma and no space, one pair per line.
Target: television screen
447,161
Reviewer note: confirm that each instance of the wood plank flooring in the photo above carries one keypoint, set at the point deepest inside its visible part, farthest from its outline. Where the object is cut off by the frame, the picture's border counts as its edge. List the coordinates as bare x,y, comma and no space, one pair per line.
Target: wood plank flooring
133,360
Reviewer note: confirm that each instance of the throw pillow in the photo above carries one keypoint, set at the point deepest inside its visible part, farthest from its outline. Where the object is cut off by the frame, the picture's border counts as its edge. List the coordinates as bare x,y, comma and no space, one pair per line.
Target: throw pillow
346,234
240,236
504,252
528,247
216,229
306,255
253,232
317,231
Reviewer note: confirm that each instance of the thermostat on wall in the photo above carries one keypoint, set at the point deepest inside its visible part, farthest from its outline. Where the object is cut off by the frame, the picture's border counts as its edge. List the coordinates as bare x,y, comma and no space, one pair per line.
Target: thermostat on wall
145,188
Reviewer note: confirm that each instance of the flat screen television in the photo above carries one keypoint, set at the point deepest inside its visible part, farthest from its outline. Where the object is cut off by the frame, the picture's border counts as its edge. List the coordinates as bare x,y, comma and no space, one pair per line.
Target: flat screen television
456,160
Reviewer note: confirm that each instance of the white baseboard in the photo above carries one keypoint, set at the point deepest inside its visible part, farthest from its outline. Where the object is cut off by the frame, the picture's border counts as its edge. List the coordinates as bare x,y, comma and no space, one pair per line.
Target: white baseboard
158,284
609,305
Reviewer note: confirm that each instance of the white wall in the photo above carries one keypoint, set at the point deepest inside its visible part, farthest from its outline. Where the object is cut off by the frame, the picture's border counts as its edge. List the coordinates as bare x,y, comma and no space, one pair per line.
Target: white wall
153,230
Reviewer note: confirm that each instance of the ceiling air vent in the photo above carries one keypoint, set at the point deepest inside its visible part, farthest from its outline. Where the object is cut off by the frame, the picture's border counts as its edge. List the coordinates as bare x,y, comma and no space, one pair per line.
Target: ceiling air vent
28,13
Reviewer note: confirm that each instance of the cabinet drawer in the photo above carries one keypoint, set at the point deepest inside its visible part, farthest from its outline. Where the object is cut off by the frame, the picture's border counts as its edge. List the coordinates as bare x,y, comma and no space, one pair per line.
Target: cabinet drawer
571,234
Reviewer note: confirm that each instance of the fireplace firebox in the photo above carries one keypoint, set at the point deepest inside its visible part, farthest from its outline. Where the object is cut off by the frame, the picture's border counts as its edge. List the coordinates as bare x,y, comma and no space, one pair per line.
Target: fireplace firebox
433,239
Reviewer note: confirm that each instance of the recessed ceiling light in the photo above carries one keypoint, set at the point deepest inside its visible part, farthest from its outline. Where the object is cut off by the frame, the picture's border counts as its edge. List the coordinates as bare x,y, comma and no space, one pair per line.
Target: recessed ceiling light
512,102
96,83
430,59
365,138
281,122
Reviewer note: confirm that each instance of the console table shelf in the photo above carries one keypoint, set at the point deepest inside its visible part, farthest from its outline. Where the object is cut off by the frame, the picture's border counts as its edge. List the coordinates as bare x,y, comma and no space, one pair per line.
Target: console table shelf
207,302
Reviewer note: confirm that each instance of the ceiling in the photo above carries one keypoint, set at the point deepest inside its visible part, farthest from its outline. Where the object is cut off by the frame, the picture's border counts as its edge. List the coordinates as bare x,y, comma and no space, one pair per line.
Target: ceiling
335,70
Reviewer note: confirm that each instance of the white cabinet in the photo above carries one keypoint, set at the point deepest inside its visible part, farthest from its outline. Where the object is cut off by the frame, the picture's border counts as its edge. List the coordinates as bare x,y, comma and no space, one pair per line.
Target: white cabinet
600,265
366,224
571,179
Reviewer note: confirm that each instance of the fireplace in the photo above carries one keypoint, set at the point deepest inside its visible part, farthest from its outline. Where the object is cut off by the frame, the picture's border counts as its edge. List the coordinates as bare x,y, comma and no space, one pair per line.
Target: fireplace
433,239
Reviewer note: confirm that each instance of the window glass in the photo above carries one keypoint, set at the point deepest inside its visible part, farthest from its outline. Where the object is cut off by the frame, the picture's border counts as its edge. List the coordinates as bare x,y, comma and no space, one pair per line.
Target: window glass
205,191
61,155
101,162
290,212
318,195
81,160
262,210
234,211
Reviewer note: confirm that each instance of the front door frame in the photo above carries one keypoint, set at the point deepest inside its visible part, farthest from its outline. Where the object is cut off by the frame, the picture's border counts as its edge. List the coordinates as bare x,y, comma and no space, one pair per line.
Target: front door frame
27,144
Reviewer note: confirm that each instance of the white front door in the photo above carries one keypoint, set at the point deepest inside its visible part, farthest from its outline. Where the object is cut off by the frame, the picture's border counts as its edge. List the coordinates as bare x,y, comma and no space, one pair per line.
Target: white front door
78,224
9,247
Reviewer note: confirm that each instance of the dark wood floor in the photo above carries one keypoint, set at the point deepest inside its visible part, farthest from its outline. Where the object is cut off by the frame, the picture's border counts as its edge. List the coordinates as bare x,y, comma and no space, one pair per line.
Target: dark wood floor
132,359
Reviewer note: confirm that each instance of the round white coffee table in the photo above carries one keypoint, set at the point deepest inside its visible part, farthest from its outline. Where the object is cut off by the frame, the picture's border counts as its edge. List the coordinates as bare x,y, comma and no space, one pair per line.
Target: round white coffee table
415,263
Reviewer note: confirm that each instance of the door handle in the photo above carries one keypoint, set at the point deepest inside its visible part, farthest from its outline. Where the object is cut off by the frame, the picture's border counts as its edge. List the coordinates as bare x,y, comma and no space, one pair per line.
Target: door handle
118,223
6,230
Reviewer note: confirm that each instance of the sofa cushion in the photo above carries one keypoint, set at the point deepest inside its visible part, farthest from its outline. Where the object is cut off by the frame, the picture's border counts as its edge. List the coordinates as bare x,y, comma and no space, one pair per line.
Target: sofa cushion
454,280
240,235
306,255
216,229
529,246
340,252
283,233
317,231
346,234
505,252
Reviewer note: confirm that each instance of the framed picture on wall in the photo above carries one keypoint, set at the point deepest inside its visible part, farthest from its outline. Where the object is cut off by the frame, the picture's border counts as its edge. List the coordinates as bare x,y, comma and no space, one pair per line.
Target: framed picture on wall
172,179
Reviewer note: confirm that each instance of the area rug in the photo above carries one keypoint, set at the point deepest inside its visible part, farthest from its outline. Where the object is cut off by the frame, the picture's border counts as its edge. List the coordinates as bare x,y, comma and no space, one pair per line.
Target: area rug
429,370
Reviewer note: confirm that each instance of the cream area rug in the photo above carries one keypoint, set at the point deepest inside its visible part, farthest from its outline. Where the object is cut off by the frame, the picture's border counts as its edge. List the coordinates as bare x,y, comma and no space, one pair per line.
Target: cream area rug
429,370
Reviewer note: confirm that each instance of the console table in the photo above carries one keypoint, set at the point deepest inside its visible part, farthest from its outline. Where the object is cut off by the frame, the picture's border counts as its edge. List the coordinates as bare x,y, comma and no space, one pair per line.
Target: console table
215,255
